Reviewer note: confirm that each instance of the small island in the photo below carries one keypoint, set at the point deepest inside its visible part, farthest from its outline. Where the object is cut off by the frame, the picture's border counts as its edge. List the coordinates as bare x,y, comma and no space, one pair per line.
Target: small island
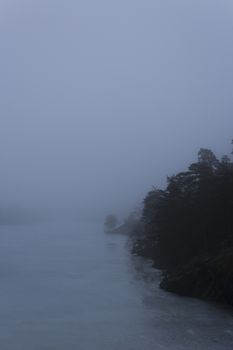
110,223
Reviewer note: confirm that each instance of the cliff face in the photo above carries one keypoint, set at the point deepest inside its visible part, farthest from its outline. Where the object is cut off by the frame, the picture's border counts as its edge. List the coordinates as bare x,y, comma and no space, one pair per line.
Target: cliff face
210,279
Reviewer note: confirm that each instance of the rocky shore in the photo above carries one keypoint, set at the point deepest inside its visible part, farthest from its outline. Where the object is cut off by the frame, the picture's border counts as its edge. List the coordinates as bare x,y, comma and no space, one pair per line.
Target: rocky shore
209,279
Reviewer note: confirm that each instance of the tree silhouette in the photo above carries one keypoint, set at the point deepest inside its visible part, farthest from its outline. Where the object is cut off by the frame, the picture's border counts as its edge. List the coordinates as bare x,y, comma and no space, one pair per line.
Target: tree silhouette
192,217
110,222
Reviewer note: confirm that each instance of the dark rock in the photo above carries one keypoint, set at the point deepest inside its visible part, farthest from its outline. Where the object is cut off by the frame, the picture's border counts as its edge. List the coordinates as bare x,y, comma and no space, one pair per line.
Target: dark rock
210,279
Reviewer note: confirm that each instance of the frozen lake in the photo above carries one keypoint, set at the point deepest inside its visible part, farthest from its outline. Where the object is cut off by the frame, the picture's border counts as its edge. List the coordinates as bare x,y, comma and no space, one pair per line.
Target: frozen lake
72,287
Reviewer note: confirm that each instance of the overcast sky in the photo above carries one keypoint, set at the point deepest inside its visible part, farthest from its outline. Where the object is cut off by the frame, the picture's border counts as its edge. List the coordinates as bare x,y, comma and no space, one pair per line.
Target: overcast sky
100,100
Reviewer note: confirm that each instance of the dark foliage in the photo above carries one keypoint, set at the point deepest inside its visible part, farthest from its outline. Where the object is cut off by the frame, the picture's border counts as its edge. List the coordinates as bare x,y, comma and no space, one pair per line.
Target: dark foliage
192,219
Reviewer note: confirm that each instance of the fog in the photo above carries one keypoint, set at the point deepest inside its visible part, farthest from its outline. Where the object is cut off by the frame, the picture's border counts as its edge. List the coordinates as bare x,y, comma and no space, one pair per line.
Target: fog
101,100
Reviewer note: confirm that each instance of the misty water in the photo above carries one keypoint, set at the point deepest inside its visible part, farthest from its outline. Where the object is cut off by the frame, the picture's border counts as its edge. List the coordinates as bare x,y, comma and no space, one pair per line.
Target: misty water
69,286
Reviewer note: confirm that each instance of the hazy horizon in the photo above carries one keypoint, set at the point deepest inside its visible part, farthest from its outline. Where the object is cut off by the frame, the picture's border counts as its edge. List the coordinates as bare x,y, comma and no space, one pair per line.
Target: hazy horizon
100,101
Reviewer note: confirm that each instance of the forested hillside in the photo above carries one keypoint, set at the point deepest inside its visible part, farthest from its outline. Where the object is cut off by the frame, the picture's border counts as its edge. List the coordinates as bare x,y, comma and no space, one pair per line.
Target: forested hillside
188,229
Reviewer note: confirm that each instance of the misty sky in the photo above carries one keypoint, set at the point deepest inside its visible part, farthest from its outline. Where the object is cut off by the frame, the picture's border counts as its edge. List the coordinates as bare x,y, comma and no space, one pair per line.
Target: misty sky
100,100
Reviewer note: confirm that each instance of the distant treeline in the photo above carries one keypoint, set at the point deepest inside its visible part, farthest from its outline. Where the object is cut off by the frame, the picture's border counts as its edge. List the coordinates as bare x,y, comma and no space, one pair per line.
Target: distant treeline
190,223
